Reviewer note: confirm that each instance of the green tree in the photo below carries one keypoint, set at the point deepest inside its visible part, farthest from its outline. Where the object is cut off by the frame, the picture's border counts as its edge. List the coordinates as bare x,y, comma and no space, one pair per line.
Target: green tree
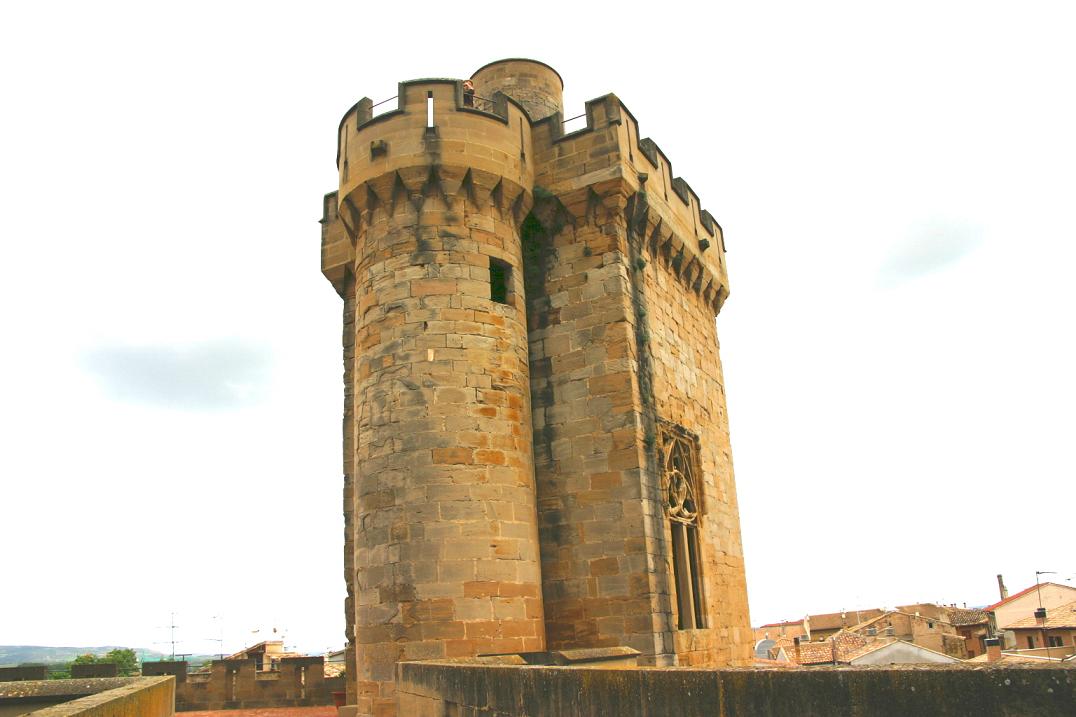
125,658
60,671
88,659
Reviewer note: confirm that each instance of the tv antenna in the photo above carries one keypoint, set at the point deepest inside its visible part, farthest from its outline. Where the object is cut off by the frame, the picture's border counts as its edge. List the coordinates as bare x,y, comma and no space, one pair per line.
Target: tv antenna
172,634
219,640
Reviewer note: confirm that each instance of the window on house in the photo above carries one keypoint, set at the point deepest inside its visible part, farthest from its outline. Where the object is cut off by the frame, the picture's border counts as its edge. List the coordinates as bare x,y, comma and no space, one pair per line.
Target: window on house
1053,641
500,280
681,486
1031,642
930,625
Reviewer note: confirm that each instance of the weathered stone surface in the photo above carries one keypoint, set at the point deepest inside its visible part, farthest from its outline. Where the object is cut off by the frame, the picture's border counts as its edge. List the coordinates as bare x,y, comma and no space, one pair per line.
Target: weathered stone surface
90,697
522,308
97,669
942,691
238,684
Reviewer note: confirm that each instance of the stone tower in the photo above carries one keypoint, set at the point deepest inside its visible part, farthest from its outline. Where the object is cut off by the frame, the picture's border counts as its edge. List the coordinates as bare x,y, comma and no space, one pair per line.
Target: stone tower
536,448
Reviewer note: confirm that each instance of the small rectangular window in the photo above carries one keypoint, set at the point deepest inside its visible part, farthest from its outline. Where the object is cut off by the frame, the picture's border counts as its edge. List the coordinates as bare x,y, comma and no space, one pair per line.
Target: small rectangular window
1031,642
500,280
1054,641
429,108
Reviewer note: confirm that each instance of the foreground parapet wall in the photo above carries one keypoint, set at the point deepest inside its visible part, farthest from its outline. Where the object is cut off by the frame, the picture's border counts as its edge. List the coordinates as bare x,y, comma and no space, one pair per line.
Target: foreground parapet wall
435,689
97,697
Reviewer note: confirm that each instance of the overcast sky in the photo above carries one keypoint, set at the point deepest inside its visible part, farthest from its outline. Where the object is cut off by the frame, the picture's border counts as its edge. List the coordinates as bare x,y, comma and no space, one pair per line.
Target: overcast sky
896,183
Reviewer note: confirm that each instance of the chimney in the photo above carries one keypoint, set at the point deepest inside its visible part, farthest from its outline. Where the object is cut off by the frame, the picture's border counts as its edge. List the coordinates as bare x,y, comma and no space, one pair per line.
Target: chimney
993,648
796,647
1001,588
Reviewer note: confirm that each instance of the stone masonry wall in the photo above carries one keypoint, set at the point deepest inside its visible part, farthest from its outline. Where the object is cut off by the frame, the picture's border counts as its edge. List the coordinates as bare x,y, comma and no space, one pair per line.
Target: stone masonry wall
620,289
234,684
446,555
593,524
536,86
90,697
474,421
444,551
679,335
434,690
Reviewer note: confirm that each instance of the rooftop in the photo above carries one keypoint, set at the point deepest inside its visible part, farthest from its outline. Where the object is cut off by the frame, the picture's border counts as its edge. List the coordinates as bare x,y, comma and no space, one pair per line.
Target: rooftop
1025,591
967,616
1058,617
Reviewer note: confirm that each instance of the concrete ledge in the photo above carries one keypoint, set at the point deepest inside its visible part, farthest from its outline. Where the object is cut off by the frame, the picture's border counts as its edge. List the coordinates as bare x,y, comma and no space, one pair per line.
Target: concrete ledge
626,656
94,697
437,688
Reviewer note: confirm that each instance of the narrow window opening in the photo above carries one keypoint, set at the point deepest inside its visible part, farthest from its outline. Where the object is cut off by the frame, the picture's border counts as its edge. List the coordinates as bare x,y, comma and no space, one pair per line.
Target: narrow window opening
346,173
680,568
500,280
429,108
522,149
696,574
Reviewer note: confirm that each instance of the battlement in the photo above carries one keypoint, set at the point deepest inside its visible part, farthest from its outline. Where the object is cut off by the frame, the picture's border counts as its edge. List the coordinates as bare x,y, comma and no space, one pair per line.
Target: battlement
411,98
608,110
439,141
434,144
609,152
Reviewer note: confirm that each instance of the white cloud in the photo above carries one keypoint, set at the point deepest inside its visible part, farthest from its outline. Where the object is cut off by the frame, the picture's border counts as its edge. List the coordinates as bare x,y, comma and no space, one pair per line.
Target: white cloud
930,246
212,375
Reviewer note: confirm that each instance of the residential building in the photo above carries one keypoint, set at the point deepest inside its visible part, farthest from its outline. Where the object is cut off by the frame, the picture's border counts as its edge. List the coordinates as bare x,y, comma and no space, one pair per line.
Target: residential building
851,648
975,625
1057,633
266,655
1023,604
933,632
815,628
899,652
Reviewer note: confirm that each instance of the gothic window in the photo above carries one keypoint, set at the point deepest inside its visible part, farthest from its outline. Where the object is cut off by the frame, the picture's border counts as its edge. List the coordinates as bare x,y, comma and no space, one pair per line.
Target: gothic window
681,485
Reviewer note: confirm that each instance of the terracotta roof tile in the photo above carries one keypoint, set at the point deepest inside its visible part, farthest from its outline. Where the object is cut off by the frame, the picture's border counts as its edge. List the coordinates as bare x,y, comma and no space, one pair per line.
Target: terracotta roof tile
967,616
842,646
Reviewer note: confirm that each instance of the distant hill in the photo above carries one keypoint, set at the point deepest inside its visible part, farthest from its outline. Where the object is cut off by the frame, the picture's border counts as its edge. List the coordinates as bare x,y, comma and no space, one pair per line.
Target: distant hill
21,654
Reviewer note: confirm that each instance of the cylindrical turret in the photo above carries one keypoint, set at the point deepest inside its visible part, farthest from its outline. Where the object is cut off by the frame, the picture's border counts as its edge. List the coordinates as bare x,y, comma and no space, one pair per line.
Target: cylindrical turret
444,532
535,85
